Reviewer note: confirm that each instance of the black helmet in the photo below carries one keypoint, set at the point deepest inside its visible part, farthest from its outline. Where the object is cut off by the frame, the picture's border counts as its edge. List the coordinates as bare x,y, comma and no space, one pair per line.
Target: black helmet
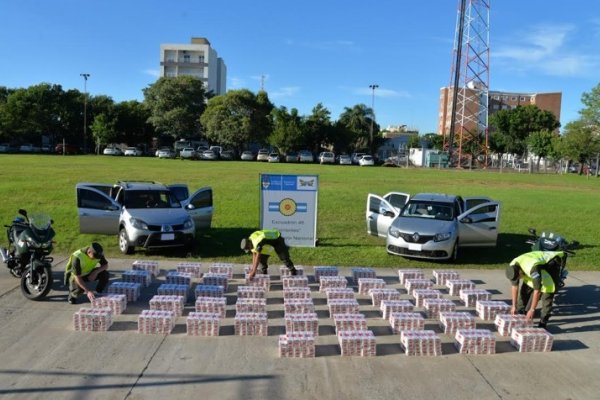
97,250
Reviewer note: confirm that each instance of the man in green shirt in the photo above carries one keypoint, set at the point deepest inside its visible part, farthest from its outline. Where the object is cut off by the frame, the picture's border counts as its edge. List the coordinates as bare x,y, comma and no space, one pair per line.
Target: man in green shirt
86,265
263,244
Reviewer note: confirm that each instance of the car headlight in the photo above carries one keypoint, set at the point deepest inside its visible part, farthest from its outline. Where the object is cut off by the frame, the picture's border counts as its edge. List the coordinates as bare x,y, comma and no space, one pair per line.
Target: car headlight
188,224
395,232
440,237
138,223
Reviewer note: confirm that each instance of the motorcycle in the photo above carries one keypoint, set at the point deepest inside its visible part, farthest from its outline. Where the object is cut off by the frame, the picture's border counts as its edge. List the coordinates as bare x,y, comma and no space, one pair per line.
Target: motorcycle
27,255
551,241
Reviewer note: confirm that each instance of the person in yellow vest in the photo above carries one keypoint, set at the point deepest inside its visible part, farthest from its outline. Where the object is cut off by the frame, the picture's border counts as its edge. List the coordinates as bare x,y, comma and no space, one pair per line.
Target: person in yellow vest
263,244
540,272
84,266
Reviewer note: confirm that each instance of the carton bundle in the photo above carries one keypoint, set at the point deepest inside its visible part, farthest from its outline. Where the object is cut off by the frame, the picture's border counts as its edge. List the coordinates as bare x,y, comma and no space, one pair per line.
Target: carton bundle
284,271
251,324
211,278
221,268
168,303
442,275
339,293
435,306
387,307
297,344
260,280
203,324
116,302
451,321
325,271
251,292
421,343
531,339
179,278
506,322
471,296
92,319
413,284
343,306
305,322
251,305
142,277
366,284
298,306
488,309
156,322
147,265
456,285
357,343
332,282
475,341
294,281
377,295
350,322
194,268
209,291
129,289
421,294
410,273
406,321
215,305
172,289
362,272
296,293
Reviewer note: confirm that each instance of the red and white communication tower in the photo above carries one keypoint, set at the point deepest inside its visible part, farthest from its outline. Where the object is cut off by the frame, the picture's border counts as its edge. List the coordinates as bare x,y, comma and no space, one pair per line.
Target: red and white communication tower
467,140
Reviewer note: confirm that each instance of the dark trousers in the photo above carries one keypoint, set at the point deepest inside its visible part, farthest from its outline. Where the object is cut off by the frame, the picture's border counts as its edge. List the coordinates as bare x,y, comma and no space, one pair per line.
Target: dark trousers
282,251
102,279
524,302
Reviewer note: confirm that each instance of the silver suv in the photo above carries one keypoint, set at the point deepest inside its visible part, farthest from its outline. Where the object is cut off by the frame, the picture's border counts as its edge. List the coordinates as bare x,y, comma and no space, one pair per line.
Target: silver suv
144,214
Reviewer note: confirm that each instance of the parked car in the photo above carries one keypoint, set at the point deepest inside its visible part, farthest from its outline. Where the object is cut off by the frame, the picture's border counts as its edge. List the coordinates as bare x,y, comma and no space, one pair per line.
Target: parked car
143,214
273,158
327,157
432,225
263,155
228,155
188,153
6,148
305,156
29,148
345,159
112,151
247,156
66,149
366,160
166,152
133,151
291,156
217,150
356,157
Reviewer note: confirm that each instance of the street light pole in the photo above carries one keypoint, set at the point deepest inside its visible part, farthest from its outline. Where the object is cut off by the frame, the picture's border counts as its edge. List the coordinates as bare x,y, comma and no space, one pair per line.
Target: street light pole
372,87
85,78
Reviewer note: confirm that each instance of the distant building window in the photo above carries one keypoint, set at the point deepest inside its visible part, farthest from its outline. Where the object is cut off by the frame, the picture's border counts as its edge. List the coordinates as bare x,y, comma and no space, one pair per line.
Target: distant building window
496,107
504,97
186,58
505,106
496,97
513,98
523,98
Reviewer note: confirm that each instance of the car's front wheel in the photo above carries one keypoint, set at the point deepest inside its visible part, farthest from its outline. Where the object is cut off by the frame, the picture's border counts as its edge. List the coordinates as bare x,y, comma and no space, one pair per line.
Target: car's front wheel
124,242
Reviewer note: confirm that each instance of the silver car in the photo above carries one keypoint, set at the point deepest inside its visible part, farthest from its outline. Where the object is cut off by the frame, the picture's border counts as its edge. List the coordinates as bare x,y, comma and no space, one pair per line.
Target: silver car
432,225
143,214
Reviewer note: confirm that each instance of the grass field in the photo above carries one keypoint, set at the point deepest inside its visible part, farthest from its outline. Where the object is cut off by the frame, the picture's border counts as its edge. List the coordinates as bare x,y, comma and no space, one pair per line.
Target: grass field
569,204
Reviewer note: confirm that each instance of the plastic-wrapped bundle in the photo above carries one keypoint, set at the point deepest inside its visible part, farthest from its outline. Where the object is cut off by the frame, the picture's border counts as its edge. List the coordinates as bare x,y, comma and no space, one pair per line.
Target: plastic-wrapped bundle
350,322
413,284
147,265
251,305
362,272
116,302
212,305
506,322
442,275
421,343
168,303
129,289
325,271
297,344
332,282
194,268
296,293
294,281
284,271
156,322
471,296
343,306
407,321
262,280
377,295
306,322
357,343
211,278
221,268
488,309
251,292
137,276
451,321
171,289
531,339
339,293
456,285
435,306
366,284
179,278
298,306
421,294
203,324
387,307
475,341
209,291
251,324
410,273
92,319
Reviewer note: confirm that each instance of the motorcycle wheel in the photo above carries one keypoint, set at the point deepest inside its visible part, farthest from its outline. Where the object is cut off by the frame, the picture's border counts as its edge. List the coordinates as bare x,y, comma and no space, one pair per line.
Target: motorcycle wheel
39,285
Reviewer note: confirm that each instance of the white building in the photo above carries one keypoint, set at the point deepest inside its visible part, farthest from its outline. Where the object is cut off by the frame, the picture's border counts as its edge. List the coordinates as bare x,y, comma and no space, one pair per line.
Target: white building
197,59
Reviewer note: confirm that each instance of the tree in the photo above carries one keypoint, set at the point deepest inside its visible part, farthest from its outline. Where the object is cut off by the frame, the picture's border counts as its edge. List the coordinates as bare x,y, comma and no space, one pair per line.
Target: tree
287,129
318,129
541,144
414,142
131,122
591,100
357,121
580,141
176,105
103,130
434,140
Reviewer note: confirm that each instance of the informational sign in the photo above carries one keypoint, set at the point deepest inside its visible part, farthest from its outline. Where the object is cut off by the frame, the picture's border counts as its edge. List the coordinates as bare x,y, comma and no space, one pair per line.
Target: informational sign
288,203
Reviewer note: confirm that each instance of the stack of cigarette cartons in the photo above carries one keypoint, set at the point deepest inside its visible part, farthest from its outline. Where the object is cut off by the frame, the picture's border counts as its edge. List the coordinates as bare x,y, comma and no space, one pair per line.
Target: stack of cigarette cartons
332,282
194,268
362,272
421,343
531,339
137,276
421,294
298,306
475,341
350,322
294,282
413,284
261,280
357,343
168,303
209,291
284,271
129,289
387,307
116,302
377,295
471,296
325,271
296,293
251,324
343,306
406,321
506,322
221,268
302,322
451,321
297,344
203,324
251,292
147,265
92,319
435,306
488,309
455,286
156,322
171,289
366,284
442,275
251,305
215,305
211,278
410,273
179,278
339,293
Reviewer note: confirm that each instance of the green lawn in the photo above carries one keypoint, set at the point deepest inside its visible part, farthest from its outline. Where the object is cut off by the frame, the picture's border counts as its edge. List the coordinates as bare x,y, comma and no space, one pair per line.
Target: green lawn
569,204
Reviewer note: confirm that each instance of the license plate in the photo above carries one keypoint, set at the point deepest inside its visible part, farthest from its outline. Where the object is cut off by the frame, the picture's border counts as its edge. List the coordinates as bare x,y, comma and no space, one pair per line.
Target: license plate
167,236
415,247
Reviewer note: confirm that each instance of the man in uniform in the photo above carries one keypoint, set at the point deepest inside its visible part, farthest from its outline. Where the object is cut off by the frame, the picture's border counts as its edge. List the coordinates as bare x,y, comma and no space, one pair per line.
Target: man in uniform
263,244
540,272
86,265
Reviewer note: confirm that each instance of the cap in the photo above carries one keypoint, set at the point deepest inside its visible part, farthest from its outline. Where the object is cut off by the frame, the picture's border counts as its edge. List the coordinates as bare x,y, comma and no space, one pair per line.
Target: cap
244,245
97,250
512,272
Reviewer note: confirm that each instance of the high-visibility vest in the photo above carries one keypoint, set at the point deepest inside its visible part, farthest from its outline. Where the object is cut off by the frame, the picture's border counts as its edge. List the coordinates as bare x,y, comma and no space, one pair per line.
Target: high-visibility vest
259,236
532,259
87,264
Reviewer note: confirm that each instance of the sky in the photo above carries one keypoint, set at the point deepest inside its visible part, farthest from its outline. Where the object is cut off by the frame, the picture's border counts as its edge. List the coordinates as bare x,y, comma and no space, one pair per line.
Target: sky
305,52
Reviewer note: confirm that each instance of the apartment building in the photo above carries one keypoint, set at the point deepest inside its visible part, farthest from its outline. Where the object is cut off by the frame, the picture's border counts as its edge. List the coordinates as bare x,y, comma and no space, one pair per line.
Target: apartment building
197,59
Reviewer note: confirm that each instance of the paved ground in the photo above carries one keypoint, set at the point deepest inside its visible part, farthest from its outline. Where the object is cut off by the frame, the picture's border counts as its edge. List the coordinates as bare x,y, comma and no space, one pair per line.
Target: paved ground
42,356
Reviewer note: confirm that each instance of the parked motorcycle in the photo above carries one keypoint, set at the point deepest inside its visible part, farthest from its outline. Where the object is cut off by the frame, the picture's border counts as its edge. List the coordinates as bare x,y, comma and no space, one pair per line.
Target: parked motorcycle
27,255
551,241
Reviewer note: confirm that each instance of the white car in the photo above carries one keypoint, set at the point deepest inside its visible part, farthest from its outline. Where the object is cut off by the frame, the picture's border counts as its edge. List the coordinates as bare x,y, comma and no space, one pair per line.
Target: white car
247,156
209,155
187,153
305,156
366,160
132,151
327,157
112,151
345,159
165,153
273,157
263,155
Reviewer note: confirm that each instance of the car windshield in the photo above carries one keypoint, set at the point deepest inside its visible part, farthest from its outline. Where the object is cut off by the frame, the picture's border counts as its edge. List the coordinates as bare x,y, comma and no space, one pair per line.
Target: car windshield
149,199
428,209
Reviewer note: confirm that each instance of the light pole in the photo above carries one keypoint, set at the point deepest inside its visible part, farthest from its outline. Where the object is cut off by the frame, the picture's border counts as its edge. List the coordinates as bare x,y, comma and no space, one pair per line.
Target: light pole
372,87
85,78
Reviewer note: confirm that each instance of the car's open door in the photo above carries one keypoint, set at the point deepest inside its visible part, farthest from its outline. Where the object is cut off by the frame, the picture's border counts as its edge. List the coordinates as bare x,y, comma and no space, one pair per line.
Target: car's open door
479,225
200,206
379,215
98,212
397,199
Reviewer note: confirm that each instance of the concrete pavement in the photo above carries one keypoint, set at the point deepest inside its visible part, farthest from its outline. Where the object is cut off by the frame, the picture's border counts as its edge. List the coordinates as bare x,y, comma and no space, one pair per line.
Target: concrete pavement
41,356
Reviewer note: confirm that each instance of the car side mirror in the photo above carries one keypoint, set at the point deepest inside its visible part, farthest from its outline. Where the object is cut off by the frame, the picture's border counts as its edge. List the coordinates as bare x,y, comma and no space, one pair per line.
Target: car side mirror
190,207
466,220
532,231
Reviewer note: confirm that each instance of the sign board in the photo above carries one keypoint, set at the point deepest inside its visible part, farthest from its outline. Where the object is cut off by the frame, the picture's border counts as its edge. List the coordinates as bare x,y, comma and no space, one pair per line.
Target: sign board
288,203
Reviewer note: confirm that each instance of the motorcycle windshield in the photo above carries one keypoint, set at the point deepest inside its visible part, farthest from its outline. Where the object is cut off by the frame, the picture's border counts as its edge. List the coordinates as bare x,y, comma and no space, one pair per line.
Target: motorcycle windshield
40,221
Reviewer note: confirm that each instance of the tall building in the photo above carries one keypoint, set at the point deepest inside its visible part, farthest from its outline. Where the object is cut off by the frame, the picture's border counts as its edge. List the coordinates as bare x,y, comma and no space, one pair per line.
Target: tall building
499,101
197,59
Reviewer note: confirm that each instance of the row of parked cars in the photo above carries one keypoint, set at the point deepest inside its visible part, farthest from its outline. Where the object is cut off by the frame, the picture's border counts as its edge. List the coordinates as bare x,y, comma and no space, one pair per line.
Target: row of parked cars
305,156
